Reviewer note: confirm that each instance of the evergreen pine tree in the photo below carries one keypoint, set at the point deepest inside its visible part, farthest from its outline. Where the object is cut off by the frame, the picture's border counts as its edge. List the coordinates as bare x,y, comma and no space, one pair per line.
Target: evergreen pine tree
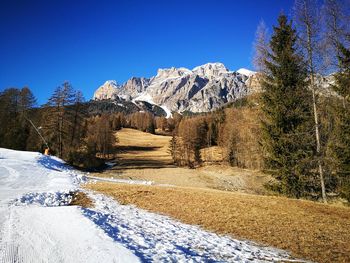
287,124
340,146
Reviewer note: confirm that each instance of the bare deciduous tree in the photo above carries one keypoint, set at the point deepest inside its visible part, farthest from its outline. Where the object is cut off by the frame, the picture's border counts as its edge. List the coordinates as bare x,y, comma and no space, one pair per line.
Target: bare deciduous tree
261,48
336,20
307,18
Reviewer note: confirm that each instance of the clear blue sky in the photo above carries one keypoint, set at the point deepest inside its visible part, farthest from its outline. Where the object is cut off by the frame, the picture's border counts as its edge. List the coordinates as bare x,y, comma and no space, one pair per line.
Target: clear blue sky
43,43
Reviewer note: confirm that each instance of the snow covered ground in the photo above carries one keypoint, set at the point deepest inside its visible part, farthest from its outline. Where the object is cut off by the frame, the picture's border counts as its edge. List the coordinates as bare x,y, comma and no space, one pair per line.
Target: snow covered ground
36,225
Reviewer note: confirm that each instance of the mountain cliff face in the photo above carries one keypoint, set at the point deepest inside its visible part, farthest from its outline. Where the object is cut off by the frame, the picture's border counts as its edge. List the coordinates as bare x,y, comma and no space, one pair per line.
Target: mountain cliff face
201,89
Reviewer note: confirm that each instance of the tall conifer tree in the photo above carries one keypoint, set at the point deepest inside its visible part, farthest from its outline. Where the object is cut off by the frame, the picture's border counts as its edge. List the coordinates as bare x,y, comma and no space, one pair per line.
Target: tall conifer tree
340,145
287,124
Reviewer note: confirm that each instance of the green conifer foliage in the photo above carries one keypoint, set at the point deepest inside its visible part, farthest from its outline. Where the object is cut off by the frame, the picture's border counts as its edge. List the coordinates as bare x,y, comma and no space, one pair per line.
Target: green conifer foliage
340,145
287,123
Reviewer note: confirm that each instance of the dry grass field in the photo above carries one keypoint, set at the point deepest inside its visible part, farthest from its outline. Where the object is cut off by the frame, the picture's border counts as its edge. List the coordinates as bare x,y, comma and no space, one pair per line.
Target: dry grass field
144,156
139,150
309,230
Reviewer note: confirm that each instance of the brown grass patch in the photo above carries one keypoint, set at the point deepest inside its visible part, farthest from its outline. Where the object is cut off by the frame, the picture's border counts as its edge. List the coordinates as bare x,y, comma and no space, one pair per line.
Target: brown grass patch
144,156
310,230
220,177
81,199
137,149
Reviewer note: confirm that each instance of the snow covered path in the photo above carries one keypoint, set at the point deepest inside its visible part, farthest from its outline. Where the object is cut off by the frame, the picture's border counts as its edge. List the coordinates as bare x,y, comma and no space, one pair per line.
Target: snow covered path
36,225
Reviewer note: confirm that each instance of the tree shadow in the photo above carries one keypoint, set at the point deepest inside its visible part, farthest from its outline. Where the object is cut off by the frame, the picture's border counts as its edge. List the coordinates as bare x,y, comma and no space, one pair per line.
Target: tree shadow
113,230
51,163
119,232
125,149
127,164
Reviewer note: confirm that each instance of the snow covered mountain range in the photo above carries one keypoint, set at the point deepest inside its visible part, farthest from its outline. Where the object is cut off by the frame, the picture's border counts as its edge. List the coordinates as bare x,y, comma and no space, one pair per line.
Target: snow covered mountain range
201,89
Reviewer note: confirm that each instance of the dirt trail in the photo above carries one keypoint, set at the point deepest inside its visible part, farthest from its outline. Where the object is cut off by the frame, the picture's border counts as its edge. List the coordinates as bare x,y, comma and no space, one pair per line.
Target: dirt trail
144,156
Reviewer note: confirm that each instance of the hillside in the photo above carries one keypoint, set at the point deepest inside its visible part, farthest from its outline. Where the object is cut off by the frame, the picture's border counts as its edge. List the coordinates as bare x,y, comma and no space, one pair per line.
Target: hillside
215,197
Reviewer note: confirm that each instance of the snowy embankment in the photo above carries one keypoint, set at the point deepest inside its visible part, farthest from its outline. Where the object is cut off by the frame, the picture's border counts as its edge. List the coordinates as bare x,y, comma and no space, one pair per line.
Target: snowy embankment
36,225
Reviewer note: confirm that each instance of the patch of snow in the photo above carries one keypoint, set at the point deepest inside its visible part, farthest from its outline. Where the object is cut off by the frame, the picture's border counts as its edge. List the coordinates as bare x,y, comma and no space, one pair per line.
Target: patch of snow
124,97
111,83
45,199
246,72
145,97
148,98
123,181
167,111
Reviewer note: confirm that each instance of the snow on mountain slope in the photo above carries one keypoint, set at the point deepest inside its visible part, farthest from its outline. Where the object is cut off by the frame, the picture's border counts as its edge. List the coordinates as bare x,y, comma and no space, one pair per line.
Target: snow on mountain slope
168,112
36,225
246,72
144,97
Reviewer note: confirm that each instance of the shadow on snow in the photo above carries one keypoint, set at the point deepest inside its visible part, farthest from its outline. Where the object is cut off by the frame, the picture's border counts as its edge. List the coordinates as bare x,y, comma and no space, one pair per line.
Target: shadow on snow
112,228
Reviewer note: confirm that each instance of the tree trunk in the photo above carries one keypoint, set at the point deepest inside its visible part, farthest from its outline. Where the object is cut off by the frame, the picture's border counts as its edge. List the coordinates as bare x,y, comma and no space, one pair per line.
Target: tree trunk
314,102
317,129
318,144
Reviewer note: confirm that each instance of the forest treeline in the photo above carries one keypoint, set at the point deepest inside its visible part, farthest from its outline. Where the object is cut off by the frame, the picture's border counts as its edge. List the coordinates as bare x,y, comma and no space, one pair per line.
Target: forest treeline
65,126
292,129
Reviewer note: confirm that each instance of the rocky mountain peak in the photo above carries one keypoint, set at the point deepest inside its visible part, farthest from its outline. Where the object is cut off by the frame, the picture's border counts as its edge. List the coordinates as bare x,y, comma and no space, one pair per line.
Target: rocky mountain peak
211,70
107,91
202,89
166,73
